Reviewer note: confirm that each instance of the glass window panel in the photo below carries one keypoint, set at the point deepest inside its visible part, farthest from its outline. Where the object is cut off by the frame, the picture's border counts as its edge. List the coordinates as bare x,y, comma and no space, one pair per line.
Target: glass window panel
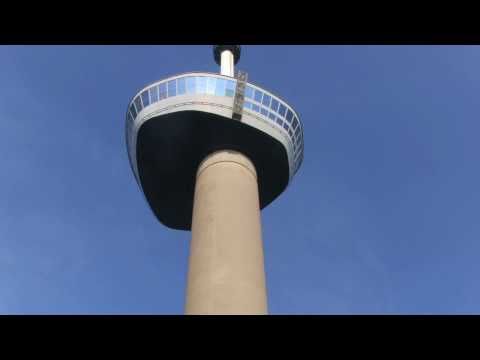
297,140
138,104
279,121
162,91
249,92
255,108
133,111
190,85
282,110
271,116
274,105
258,96
145,98
172,88
285,126
247,105
264,112
154,94
289,116
211,85
298,158
230,89
201,85
220,88
295,122
290,132
297,131
266,100
181,86
130,119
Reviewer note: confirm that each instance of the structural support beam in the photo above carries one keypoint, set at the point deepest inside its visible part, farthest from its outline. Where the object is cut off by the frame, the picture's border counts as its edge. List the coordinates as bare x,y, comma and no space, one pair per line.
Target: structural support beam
226,266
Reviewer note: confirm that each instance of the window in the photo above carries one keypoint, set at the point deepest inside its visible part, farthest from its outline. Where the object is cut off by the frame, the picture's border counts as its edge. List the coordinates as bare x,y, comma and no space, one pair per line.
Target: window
258,96
285,126
133,111
271,116
181,86
299,156
220,88
279,121
247,105
138,104
145,98
274,105
290,133
289,116
297,131
298,161
201,85
172,88
282,110
162,90
266,100
249,92
154,94
263,111
190,85
295,122
130,119
211,85
230,89
255,108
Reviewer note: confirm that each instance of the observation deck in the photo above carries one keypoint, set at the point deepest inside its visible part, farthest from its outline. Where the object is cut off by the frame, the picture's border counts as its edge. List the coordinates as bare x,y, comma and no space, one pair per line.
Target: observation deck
173,124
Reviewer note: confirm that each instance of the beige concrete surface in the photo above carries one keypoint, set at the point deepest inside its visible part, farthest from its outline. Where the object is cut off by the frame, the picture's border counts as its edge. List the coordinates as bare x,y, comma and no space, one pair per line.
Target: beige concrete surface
226,266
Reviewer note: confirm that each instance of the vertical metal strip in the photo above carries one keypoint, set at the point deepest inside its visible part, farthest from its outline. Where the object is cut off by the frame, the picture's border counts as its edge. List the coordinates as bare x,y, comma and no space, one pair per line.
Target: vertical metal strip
239,95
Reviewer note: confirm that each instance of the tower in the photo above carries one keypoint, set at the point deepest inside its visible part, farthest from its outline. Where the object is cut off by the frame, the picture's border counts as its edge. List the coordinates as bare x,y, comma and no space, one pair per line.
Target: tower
209,151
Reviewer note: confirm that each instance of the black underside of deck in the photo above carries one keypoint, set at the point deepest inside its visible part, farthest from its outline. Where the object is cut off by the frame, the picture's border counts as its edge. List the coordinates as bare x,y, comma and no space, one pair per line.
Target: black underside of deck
170,148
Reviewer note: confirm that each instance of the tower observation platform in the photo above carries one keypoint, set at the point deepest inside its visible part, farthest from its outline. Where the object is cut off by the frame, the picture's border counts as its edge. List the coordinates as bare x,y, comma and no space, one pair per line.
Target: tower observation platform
175,126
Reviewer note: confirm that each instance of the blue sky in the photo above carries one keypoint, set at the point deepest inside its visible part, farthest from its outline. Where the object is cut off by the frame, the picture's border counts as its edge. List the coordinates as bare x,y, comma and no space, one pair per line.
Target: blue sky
382,217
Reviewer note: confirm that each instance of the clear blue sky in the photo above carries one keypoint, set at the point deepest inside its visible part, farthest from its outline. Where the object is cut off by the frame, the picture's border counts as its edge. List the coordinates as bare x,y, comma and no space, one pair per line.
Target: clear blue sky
382,217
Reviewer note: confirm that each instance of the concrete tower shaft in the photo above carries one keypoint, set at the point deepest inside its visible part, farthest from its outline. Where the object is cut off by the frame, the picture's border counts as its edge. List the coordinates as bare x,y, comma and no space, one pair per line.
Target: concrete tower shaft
226,266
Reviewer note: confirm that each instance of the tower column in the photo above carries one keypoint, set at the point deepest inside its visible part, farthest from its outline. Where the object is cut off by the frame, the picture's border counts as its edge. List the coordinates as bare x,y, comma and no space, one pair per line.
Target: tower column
227,63
226,266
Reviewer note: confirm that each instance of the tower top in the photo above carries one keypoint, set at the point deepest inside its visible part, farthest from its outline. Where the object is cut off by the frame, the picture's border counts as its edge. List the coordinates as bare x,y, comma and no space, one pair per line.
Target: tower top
218,49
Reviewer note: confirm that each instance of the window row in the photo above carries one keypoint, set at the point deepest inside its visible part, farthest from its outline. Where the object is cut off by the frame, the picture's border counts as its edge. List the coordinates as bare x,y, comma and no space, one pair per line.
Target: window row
272,104
293,129
298,162
258,101
213,86
180,86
